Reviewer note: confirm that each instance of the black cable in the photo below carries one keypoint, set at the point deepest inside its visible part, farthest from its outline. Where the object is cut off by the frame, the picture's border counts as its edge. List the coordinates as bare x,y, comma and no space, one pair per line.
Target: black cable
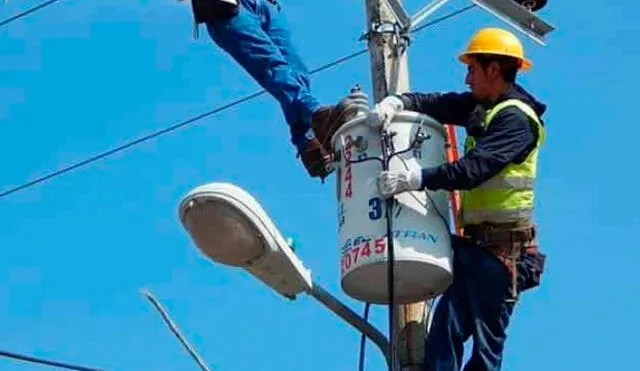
129,144
199,117
27,12
363,339
21,357
387,151
338,61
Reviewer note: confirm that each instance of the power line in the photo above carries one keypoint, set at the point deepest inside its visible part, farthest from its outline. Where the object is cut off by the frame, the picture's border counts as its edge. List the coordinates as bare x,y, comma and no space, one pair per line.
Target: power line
443,18
129,144
203,115
27,12
175,330
21,357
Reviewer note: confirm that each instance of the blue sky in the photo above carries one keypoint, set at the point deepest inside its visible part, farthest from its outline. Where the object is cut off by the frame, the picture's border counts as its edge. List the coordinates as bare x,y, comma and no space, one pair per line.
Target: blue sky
77,249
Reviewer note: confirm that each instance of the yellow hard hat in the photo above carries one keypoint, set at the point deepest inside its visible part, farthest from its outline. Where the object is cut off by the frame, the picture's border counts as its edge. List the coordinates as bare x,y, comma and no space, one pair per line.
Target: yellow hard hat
496,41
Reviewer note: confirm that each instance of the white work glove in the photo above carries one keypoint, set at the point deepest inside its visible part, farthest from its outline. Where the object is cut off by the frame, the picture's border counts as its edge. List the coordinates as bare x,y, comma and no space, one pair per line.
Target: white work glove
384,111
393,182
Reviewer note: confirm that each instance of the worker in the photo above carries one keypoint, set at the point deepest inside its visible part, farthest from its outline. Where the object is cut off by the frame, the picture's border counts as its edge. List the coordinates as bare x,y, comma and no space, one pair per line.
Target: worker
256,35
497,257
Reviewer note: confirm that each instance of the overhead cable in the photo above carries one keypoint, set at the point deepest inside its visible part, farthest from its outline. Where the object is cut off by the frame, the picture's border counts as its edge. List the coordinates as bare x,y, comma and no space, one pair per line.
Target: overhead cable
189,121
27,12
42,361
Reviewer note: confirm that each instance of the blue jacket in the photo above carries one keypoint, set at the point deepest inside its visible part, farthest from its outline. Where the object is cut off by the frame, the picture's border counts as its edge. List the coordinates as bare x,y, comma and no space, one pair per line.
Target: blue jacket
510,137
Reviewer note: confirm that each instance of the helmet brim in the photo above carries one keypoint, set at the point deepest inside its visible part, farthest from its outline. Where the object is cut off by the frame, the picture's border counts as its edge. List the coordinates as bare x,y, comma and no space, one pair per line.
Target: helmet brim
466,58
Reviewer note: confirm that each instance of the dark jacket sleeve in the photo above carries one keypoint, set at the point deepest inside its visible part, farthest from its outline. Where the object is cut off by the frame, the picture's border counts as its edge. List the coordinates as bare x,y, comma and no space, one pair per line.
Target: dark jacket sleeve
509,138
447,108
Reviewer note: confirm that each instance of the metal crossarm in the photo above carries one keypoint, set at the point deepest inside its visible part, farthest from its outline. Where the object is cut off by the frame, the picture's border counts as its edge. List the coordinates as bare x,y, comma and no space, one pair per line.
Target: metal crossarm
399,13
519,17
426,11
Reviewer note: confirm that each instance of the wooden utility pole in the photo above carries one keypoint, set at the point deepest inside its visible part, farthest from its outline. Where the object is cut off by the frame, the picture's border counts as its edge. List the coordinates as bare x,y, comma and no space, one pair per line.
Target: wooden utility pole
390,75
389,68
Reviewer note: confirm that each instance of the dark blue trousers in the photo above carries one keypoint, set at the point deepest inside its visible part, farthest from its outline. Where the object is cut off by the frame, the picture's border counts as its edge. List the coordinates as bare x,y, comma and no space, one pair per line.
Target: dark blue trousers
474,306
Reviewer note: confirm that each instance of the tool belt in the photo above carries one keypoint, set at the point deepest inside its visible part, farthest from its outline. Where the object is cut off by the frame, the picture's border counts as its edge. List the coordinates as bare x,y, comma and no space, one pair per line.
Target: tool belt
516,247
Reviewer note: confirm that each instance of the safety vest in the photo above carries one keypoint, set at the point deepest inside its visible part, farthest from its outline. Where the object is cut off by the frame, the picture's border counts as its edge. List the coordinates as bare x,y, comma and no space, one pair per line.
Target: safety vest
507,197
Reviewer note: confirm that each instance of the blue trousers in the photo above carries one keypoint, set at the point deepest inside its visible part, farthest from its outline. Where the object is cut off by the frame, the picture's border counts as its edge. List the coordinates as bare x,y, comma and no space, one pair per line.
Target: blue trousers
473,306
259,40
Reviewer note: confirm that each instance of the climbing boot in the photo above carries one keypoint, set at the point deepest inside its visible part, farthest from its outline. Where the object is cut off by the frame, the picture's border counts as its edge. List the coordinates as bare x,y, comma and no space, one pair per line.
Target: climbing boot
326,120
315,159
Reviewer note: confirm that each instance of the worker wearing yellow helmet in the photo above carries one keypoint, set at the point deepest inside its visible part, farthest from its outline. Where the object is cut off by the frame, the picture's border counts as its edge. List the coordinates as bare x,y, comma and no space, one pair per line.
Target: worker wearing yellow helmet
497,257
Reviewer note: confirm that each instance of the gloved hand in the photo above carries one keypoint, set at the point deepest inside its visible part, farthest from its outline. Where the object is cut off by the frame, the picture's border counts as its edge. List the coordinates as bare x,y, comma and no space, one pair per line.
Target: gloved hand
393,182
384,111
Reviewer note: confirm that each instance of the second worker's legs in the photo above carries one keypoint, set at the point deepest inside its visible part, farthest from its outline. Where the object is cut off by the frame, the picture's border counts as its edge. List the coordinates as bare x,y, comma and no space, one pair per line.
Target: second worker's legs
243,37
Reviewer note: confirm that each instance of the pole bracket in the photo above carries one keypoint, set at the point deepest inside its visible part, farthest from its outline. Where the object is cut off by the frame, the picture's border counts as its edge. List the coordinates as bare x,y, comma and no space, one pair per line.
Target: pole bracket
394,30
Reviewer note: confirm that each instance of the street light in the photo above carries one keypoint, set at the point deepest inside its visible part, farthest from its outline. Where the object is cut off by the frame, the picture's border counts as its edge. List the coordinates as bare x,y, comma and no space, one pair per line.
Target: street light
229,226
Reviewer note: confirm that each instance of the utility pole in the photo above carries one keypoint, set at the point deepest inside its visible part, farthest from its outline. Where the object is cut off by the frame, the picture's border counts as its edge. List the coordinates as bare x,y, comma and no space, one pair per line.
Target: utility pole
388,55
388,49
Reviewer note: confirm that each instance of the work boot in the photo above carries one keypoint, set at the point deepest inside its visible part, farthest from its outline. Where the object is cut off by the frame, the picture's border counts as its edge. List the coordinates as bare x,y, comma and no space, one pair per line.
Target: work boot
315,159
533,5
326,120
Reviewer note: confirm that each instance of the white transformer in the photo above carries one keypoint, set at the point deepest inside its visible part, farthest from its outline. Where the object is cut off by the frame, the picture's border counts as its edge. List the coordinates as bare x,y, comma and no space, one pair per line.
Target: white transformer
421,236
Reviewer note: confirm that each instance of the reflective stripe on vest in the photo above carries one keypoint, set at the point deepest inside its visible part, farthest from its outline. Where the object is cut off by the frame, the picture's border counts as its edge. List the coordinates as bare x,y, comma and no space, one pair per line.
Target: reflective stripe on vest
508,196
